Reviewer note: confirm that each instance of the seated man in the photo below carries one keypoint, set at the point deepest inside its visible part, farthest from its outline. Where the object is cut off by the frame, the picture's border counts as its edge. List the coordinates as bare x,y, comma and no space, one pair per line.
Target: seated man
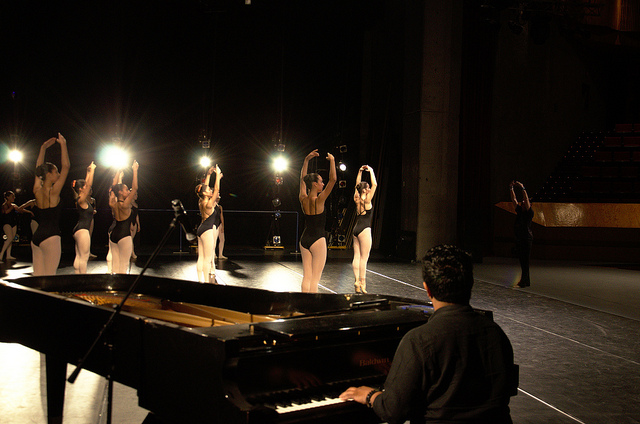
458,367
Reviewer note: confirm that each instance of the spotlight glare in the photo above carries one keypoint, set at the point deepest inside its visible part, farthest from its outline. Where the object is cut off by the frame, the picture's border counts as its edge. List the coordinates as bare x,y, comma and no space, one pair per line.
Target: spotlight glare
15,156
342,166
280,164
205,162
114,157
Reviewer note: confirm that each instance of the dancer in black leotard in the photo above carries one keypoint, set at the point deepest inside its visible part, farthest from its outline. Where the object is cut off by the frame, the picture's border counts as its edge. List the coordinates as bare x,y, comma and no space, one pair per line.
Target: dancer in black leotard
207,200
45,243
522,229
313,243
82,230
362,238
120,241
117,179
10,221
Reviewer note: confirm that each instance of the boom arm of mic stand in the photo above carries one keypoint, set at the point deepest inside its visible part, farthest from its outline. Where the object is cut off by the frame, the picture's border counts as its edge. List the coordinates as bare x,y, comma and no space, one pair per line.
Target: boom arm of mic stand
116,311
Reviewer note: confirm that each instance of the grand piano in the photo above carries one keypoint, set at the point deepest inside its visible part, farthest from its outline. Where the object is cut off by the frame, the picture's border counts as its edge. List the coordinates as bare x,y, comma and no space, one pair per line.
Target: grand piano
200,353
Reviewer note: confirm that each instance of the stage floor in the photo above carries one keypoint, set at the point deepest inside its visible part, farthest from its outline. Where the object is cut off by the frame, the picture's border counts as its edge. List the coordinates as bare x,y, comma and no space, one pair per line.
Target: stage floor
575,332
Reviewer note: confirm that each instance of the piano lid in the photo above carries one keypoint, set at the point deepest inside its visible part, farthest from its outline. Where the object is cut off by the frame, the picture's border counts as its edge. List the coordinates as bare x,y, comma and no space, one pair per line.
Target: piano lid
303,327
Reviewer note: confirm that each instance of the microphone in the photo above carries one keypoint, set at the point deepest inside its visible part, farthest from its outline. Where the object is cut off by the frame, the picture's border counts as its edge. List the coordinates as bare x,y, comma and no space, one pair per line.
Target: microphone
182,218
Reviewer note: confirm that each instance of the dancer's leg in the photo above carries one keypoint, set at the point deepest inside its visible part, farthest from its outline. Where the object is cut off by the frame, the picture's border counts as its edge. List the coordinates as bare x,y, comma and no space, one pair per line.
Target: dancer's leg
125,247
221,242
83,246
114,253
355,264
319,254
7,232
215,243
91,255
207,255
51,251
38,260
134,231
200,262
307,269
365,240
14,231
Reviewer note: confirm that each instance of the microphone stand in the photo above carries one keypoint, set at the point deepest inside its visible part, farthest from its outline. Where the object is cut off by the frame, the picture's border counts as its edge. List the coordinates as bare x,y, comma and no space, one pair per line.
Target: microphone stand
107,326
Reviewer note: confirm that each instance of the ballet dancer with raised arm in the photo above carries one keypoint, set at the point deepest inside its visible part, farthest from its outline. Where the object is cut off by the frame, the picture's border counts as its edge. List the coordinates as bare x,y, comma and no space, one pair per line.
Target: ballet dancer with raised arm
82,230
46,242
120,240
117,179
207,201
313,242
362,238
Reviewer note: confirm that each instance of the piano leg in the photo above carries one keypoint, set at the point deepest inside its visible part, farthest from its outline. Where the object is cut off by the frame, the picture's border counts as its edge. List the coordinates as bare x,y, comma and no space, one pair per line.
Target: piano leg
56,372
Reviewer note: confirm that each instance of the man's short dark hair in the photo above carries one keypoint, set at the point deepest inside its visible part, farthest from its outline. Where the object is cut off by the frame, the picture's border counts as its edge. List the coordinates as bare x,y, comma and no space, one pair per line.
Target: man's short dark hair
448,272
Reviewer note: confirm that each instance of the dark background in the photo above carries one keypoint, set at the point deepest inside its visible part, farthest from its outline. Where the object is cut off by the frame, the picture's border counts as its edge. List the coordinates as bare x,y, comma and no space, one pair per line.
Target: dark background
309,74
160,74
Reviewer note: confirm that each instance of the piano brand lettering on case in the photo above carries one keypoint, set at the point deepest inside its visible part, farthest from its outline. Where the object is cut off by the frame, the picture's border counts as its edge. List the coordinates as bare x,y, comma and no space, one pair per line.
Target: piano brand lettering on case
373,361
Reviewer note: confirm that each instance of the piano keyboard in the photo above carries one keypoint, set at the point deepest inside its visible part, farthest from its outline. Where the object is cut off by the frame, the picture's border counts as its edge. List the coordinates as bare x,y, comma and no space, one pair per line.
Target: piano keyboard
307,405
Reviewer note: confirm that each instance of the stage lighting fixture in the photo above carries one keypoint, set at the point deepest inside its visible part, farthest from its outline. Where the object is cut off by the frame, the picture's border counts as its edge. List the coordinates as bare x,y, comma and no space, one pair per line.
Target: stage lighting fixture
342,166
342,183
276,241
205,162
279,180
341,238
280,147
277,215
276,202
15,156
343,148
280,163
114,157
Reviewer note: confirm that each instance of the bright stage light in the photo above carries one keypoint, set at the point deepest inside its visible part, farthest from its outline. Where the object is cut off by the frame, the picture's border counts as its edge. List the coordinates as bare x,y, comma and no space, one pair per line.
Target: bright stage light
15,156
280,164
205,162
342,166
114,157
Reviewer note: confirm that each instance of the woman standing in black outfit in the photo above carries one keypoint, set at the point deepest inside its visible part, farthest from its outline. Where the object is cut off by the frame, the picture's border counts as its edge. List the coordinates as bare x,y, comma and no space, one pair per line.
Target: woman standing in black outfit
522,228
81,232
362,238
313,243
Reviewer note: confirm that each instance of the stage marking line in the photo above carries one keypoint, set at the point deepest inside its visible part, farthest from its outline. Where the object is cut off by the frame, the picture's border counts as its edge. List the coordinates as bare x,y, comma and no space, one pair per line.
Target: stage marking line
551,406
572,340
397,281
567,338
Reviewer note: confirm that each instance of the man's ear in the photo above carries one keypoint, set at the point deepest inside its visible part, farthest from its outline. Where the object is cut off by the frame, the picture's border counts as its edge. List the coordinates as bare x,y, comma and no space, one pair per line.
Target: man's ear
424,284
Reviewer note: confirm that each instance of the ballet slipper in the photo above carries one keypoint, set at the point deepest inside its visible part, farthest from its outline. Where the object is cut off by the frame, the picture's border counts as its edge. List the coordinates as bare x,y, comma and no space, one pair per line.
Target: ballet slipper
363,286
357,287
